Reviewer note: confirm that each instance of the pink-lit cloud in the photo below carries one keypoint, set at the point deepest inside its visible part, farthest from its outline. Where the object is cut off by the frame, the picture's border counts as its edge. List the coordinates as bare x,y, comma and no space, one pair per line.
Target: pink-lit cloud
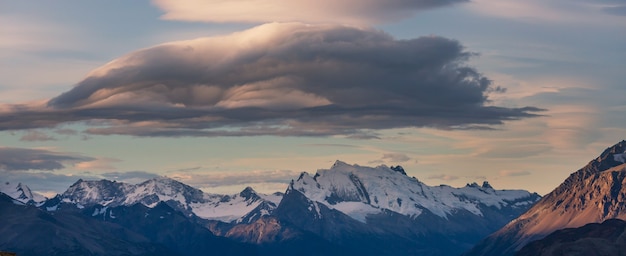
255,11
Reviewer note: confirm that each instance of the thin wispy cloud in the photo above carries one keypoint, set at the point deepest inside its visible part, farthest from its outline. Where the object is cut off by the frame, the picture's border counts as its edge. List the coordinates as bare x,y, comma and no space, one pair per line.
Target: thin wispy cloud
558,11
311,11
278,79
98,164
218,179
396,157
36,136
24,159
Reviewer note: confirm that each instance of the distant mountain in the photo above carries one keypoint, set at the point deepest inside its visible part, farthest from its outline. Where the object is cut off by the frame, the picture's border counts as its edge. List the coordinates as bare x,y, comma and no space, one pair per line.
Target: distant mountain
359,192
21,192
29,231
363,207
593,194
101,230
344,210
605,239
246,206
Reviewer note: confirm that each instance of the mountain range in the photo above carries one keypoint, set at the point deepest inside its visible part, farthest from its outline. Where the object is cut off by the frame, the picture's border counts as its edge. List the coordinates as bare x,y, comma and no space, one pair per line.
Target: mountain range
344,210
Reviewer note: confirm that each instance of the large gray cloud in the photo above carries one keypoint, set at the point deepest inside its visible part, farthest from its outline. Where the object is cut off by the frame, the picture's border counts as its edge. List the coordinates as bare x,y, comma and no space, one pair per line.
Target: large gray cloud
23,159
278,79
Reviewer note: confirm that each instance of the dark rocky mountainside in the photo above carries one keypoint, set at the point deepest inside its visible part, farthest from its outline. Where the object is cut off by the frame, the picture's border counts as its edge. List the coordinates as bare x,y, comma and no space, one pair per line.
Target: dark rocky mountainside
99,230
27,230
605,239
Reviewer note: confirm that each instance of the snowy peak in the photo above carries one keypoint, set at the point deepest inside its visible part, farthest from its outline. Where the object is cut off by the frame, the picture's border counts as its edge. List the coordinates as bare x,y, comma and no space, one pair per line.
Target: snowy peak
249,194
103,192
21,193
359,191
164,189
182,197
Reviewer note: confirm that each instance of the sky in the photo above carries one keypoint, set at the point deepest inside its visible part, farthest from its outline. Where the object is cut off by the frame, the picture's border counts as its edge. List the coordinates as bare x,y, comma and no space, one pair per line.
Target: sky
223,95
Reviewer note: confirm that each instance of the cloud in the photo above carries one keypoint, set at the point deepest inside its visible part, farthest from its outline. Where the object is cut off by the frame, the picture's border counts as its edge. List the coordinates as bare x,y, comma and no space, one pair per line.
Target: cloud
336,145
219,179
282,79
36,136
66,131
512,173
557,11
391,158
23,159
619,10
396,157
445,177
310,11
98,164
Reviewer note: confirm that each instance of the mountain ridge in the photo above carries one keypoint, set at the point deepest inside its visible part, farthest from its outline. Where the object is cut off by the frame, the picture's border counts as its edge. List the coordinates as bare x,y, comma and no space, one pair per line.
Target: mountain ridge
592,194
344,210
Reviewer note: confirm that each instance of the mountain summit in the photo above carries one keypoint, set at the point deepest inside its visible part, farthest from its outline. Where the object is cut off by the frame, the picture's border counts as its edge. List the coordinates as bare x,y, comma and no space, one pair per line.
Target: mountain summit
359,191
593,194
358,207
21,193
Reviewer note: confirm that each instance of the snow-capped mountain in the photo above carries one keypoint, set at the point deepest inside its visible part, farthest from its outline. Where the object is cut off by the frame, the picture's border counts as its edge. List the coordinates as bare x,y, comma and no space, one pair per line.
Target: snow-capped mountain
184,198
360,191
344,210
360,208
593,194
21,193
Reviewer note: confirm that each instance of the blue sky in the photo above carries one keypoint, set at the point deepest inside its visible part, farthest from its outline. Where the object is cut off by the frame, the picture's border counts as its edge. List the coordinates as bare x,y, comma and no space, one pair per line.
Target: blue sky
517,93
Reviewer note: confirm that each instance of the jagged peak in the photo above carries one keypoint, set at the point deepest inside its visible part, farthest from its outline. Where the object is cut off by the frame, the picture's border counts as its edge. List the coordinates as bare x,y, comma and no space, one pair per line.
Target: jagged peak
339,163
398,169
485,185
79,181
472,185
248,193
301,176
609,158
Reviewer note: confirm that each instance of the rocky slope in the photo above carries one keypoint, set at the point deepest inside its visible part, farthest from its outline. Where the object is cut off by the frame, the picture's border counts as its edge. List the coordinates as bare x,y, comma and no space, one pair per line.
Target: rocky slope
593,194
27,230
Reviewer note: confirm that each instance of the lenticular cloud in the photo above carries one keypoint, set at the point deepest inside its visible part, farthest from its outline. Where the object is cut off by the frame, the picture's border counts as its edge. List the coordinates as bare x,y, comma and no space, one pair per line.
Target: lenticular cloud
285,79
310,11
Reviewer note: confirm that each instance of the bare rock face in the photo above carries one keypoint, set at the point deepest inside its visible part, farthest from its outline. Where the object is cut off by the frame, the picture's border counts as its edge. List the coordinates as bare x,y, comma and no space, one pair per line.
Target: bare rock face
593,194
